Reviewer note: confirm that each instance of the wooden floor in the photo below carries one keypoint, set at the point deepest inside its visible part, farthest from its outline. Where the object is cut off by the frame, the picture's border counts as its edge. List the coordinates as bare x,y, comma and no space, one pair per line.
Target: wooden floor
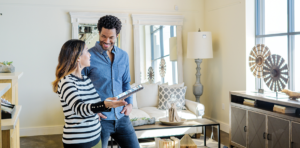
224,136
55,141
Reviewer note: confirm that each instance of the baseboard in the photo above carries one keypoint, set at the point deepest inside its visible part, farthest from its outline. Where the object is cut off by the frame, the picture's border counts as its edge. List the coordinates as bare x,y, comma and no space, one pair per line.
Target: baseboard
224,126
44,130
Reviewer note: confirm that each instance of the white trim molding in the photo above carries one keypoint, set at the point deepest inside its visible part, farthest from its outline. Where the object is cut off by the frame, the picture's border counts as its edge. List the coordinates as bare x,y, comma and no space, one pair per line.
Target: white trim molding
154,19
93,17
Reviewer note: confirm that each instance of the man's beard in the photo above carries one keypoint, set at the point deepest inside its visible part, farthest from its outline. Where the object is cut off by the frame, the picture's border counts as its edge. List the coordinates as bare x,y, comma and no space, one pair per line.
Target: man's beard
106,48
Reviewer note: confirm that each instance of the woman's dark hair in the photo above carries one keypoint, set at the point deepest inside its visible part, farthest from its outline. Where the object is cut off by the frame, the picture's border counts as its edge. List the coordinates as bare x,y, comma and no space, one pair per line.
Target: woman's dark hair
109,22
67,60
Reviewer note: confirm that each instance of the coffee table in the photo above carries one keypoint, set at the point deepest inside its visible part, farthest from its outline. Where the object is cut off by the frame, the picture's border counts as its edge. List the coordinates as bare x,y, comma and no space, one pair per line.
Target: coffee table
189,123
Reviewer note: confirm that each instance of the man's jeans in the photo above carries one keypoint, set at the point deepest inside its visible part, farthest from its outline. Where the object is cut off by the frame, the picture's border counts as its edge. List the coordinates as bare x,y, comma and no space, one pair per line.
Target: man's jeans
120,130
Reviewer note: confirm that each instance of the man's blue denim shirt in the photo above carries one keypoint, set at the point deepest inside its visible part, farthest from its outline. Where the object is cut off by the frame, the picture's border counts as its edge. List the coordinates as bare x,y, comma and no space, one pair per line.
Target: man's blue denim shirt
109,79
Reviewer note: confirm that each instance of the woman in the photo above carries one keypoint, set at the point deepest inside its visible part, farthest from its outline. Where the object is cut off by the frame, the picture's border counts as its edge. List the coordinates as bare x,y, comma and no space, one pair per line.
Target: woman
78,97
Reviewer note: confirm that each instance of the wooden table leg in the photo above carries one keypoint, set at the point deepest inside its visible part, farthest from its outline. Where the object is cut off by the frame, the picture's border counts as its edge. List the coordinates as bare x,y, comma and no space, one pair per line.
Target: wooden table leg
204,135
18,134
219,137
111,142
6,139
0,130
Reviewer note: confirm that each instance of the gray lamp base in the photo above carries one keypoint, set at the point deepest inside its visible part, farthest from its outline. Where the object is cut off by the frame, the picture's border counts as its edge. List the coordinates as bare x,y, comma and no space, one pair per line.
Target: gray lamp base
198,87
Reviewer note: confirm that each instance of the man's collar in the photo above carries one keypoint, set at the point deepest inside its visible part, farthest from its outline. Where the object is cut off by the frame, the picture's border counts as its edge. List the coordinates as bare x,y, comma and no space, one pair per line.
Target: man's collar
102,51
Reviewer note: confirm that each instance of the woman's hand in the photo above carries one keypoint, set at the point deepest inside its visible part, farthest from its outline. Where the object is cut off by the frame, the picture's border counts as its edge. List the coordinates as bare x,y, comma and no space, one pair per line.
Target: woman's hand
113,103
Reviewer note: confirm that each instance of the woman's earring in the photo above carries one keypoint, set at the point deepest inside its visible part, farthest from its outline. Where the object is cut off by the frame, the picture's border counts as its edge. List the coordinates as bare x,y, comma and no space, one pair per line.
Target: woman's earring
79,64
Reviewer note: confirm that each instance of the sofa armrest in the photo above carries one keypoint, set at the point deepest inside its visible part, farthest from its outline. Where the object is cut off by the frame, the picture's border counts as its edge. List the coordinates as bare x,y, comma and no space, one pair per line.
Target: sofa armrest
195,107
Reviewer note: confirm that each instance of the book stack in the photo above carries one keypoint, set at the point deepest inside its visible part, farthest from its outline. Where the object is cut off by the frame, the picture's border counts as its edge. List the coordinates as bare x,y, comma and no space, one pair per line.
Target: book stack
176,142
6,106
7,109
283,109
167,143
249,102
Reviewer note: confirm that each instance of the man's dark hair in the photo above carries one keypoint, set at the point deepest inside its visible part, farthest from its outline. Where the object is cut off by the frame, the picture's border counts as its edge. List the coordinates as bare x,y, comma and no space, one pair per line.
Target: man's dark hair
109,22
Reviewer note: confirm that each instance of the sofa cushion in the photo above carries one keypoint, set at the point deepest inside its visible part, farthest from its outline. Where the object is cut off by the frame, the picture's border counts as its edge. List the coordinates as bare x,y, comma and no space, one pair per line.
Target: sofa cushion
136,113
148,96
156,83
134,102
154,112
176,85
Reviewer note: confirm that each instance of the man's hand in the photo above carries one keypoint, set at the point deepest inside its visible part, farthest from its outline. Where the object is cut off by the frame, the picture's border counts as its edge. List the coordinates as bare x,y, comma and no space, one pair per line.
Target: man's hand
127,109
101,116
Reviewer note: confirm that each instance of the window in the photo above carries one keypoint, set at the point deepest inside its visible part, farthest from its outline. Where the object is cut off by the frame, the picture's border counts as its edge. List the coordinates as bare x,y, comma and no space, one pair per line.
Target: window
278,27
160,49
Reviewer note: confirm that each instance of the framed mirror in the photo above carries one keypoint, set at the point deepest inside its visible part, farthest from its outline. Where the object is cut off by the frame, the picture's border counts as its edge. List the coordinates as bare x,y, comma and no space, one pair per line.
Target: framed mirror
90,35
158,48
84,27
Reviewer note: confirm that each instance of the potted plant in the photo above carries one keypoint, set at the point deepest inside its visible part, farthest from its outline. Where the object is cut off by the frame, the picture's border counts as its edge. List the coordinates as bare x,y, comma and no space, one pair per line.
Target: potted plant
6,67
142,121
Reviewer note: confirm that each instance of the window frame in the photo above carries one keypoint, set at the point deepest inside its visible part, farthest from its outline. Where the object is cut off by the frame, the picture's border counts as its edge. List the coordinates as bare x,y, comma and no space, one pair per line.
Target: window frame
162,55
290,34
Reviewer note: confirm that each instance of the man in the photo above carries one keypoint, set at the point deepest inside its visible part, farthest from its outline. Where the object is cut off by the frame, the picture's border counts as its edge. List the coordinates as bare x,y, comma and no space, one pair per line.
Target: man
109,72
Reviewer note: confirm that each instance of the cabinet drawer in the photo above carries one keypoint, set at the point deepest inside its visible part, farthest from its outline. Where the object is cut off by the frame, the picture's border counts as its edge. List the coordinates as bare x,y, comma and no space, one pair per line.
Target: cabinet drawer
238,127
256,130
278,133
295,135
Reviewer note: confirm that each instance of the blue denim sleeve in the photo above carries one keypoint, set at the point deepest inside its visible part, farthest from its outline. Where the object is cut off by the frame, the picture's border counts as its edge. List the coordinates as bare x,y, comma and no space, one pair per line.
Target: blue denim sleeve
85,71
126,82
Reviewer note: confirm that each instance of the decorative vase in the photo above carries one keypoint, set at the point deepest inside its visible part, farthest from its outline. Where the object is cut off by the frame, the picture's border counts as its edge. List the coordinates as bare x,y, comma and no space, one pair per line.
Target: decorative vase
176,102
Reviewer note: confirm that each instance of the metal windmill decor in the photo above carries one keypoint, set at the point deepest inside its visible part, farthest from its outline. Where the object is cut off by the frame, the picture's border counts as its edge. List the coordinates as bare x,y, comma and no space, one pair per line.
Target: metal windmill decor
275,72
150,75
257,57
162,68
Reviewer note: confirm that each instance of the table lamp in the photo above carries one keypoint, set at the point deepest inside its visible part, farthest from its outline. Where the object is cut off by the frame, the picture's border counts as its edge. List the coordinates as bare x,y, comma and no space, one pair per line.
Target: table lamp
199,47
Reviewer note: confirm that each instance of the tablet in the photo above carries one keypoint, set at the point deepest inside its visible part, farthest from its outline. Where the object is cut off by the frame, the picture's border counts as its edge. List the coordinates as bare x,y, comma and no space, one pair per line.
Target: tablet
129,92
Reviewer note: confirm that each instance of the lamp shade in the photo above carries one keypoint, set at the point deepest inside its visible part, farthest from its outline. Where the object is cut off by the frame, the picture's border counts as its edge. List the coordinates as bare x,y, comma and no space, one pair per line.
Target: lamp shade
199,45
173,48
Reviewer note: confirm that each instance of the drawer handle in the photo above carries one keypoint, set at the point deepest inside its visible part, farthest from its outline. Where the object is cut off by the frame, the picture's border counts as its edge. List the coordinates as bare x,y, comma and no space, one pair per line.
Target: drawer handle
245,130
264,135
269,137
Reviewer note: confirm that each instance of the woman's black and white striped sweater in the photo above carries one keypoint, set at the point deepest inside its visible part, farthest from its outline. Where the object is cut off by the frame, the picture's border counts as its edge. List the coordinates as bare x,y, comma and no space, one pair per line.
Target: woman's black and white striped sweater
78,97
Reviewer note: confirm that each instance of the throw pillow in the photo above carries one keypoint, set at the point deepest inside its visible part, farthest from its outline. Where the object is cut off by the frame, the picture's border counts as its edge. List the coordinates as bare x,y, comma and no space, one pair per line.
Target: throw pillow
170,86
165,92
148,96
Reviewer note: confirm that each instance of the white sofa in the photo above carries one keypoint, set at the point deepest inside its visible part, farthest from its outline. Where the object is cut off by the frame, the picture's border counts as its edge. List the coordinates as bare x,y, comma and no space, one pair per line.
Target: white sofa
145,104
